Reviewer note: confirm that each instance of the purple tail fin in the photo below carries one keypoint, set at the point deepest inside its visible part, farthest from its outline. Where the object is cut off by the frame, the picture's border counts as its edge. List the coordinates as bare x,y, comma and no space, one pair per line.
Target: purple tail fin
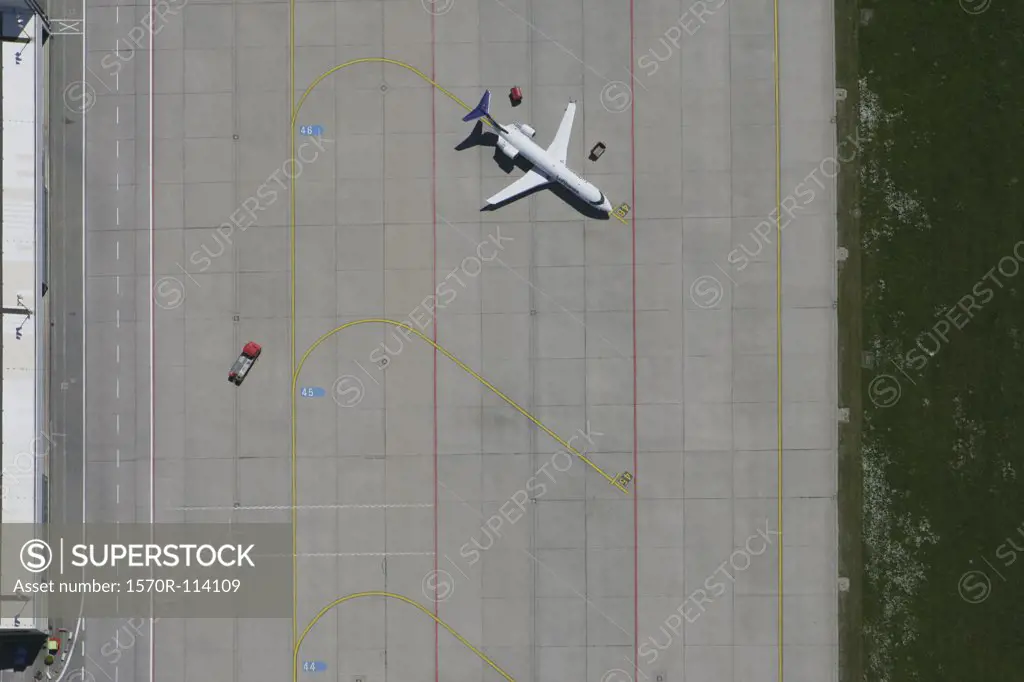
482,110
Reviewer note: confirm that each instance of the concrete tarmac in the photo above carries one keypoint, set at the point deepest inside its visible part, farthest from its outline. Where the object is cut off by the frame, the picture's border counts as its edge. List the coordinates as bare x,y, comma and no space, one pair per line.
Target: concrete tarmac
415,479
93,278
65,432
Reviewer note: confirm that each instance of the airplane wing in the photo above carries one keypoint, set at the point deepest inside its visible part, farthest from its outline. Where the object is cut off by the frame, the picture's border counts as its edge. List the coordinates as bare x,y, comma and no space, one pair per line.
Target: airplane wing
559,148
522,185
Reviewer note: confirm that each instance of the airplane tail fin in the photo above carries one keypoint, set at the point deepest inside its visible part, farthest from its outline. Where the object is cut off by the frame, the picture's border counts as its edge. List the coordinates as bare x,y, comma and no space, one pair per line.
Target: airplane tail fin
482,110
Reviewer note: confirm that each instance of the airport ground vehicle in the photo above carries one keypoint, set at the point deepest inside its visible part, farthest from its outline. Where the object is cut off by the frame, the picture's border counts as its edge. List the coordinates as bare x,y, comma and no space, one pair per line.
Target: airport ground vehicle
597,151
515,96
250,352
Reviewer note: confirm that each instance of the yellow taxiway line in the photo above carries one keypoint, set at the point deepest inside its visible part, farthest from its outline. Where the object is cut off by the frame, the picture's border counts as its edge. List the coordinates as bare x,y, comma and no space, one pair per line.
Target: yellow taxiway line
384,60
778,321
405,600
296,109
466,368
778,266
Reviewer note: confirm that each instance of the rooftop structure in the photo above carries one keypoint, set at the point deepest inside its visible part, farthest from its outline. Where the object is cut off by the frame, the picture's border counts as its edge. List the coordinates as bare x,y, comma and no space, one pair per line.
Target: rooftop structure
23,433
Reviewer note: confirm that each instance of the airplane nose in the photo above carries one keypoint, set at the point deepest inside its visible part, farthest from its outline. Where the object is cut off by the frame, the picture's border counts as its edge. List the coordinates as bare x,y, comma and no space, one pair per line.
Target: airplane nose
607,206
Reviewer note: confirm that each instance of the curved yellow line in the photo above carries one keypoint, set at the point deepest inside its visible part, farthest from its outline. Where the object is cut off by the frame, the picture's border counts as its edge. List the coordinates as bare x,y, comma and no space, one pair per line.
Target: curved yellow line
366,60
405,600
466,368
295,369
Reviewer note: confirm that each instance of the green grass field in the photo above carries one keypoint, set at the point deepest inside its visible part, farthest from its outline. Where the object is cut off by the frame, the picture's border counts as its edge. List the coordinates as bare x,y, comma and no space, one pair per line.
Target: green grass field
932,308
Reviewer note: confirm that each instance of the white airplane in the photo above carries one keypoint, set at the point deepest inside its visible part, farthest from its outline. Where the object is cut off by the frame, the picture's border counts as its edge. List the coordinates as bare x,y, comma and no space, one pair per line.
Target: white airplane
548,164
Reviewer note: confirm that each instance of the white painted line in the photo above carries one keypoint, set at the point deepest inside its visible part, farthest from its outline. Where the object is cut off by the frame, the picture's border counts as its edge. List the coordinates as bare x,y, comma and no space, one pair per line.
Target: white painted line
82,673
80,621
117,215
117,457
117,422
118,353
117,114
117,279
91,660
117,14
118,314
117,181
117,148
117,81
117,248
117,494
117,388
301,507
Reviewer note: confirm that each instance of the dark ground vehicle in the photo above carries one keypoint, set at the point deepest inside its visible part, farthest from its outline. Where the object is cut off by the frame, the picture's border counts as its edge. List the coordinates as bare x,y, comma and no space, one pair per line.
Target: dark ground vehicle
515,96
597,151
244,363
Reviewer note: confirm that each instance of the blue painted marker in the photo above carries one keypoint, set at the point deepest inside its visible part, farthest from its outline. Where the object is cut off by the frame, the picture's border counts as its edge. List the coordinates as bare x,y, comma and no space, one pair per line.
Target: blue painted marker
314,130
312,392
314,667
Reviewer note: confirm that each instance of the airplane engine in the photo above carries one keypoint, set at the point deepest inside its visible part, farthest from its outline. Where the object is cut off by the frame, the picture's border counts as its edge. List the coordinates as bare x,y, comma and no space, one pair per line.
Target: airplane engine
507,149
527,129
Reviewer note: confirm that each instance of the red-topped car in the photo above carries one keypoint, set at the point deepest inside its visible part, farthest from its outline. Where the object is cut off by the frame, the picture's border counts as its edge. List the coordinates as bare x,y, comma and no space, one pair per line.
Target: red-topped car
244,363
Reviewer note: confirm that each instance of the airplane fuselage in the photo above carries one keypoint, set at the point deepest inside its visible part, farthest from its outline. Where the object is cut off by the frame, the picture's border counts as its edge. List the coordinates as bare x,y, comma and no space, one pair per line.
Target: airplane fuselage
553,169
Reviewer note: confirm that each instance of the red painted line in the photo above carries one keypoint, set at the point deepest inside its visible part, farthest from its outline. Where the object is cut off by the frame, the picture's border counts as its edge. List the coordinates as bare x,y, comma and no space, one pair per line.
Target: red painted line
433,279
636,440
152,344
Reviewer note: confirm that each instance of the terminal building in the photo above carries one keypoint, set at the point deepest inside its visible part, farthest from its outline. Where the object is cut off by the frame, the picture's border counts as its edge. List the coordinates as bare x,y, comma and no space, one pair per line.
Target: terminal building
24,28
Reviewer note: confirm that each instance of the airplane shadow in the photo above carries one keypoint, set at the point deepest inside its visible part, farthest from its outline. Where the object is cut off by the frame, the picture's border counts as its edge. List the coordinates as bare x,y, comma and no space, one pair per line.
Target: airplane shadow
479,138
